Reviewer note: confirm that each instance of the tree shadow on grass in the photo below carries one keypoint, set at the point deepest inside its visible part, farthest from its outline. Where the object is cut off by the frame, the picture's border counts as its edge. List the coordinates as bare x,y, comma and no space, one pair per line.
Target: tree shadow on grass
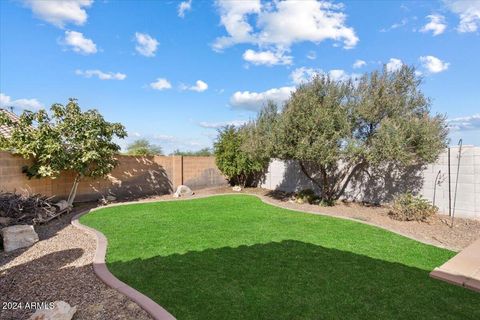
293,280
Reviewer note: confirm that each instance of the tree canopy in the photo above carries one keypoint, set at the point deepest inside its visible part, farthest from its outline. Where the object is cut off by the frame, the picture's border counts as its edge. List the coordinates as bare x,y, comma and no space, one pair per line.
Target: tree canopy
143,147
66,139
234,161
337,129
204,152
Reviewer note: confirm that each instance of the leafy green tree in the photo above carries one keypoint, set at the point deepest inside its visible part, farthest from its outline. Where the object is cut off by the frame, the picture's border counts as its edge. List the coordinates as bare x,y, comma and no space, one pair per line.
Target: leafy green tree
204,152
239,166
337,129
142,147
67,139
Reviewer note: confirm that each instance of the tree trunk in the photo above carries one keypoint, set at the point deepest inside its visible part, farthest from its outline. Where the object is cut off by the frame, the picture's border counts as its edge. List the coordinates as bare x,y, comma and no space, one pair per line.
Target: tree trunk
305,172
73,191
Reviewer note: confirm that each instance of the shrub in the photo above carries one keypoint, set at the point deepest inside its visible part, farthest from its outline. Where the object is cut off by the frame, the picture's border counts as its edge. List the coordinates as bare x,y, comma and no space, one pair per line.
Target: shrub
309,196
407,207
240,167
306,195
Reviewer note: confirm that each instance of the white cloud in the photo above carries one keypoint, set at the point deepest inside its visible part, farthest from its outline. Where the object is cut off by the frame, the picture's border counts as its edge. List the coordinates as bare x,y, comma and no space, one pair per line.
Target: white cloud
341,75
268,58
397,25
280,24
254,101
312,55
199,86
79,43
465,123
60,12
436,24
217,125
359,64
183,7
161,84
24,104
394,64
101,75
469,13
433,64
146,45
304,75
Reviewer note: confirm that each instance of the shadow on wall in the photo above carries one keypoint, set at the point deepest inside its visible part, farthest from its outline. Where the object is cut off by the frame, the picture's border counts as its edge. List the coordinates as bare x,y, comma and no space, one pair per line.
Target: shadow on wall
134,178
263,281
294,179
376,186
208,178
381,185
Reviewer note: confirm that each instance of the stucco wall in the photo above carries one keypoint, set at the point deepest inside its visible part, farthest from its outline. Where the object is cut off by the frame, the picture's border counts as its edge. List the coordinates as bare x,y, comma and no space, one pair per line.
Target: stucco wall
382,185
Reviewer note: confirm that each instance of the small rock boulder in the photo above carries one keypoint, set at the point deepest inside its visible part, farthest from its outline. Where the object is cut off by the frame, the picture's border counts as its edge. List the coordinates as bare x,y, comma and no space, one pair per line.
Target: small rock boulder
19,236
237,188
111,198
60,311
183,191
61,205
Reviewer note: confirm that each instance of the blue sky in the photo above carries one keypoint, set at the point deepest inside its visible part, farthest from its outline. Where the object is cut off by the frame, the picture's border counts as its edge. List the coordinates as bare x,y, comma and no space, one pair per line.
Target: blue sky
174,71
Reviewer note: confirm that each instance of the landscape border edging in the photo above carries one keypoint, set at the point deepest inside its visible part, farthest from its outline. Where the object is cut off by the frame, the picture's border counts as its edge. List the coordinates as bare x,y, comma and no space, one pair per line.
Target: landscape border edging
101,270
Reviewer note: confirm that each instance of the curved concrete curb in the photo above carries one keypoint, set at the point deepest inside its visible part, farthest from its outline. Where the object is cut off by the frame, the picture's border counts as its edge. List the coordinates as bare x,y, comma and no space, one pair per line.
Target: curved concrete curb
150,306
154,309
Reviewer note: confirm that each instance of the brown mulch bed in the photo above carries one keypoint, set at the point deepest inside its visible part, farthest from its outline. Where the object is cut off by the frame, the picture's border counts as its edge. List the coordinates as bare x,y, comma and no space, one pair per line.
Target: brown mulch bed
59,266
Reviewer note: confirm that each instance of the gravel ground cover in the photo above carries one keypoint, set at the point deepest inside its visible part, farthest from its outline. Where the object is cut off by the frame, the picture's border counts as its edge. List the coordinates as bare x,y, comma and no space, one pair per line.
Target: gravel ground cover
59,267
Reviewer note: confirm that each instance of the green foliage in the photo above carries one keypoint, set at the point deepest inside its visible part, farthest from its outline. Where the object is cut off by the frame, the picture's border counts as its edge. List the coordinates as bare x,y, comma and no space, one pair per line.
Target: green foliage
66,139
306,196
407,207
142,147
205,152
339,129
239,166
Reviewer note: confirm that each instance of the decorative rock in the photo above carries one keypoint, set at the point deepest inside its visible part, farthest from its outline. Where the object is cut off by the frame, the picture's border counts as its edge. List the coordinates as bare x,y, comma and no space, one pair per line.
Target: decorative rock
237,188
111,198
61,205
183,191
60,311
19,236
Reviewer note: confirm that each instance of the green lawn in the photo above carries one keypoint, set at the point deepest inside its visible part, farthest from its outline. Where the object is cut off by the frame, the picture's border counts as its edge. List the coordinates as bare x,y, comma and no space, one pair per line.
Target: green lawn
235,257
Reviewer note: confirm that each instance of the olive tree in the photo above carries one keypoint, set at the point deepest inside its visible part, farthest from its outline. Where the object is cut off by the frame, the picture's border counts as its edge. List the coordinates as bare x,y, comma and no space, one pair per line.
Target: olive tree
66,139
338,129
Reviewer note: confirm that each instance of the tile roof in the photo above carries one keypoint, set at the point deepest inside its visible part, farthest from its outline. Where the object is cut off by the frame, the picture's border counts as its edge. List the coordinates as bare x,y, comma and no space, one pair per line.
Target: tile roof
5,130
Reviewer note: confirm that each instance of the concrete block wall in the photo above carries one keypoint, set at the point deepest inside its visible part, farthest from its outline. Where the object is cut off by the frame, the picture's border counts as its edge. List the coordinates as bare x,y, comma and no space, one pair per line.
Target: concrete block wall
201,172
133,177
286,176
